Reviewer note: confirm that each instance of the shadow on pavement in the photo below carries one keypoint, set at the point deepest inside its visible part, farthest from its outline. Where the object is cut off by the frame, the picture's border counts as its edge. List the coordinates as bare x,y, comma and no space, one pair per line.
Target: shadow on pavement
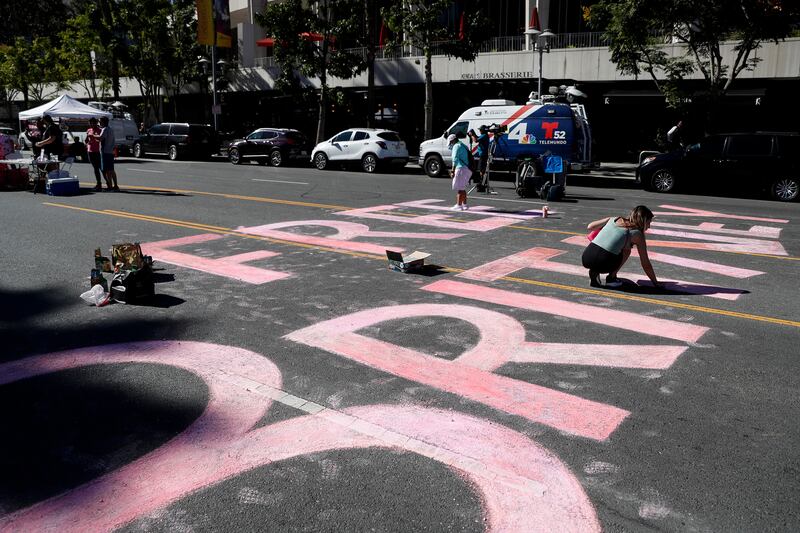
149,192
72,426
65,428
674,288
428,271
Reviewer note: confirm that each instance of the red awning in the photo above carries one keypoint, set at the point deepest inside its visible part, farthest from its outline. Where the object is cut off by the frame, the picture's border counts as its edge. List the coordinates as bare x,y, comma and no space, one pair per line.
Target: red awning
311,36
534,24
269,42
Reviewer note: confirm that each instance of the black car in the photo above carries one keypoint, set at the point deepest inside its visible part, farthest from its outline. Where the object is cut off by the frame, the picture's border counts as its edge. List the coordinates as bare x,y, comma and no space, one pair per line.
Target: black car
177,140
732,162
275,146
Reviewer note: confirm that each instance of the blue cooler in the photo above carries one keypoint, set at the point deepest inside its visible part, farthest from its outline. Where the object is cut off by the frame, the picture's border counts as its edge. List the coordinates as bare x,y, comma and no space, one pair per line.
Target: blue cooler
63,186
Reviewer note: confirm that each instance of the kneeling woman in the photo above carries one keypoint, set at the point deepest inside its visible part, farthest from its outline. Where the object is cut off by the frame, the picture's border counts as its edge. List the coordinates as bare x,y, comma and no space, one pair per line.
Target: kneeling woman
612,245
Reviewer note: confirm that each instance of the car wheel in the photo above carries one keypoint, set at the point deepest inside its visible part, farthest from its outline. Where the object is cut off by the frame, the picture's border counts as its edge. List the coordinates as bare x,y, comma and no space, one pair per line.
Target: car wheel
433,166
663,180
172,153
275,158
320,160
369,163
786,189
137,151
234,156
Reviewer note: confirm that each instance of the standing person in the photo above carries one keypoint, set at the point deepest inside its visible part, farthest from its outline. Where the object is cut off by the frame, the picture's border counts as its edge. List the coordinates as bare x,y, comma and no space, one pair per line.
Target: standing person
107,144
33,136
460,172
52,143
612,245
93,152
483,150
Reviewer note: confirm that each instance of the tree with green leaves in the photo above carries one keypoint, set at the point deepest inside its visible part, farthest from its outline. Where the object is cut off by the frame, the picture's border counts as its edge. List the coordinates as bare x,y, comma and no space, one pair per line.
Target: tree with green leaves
8,90
146,36
423,24
180,56
309,41
639,29
31,68
81,55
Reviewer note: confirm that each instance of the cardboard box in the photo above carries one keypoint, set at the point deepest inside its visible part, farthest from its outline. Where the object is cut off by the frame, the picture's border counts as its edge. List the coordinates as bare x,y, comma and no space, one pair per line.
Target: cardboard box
63,186
403,263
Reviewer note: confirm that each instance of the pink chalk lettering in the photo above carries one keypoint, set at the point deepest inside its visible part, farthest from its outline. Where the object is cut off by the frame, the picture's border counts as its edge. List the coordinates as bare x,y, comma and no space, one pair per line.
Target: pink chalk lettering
761,232
502,340
647,325
562,411
696,264
342,238
539,259
228,267
512,473
689,212
771,248
379,212
738,244
437,205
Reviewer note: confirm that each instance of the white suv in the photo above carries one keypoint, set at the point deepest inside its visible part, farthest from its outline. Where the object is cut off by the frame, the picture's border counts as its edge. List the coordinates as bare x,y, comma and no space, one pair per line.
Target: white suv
371,147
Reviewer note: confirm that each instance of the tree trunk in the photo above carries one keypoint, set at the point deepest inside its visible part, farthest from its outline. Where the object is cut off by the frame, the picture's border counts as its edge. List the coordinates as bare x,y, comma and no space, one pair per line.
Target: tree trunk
428,95
323,106
370,22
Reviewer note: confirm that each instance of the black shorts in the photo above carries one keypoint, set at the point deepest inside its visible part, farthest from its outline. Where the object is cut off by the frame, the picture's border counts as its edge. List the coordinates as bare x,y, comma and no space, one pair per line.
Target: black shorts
600,260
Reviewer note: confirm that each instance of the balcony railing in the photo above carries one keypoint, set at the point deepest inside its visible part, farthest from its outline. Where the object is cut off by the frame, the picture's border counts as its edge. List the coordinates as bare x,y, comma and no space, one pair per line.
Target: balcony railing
513,43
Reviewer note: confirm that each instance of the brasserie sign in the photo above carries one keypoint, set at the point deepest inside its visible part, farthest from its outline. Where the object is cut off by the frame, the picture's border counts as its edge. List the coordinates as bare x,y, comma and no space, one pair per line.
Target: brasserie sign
497,75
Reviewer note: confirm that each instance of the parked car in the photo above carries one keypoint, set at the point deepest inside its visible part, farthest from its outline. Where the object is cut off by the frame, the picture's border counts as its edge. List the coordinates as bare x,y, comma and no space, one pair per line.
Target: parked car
734,161
370,147
276,146
177,140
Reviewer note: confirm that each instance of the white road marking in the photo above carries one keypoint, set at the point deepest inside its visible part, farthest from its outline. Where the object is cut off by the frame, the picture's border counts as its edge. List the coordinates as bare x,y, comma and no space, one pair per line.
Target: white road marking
142,170
279,181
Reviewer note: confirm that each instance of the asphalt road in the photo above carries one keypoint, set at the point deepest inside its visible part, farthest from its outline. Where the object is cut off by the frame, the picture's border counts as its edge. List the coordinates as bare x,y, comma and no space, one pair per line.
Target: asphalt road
284,379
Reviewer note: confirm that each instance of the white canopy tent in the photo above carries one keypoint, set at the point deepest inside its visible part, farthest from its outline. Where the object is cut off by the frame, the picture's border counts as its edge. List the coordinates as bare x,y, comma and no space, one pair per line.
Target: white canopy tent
64,107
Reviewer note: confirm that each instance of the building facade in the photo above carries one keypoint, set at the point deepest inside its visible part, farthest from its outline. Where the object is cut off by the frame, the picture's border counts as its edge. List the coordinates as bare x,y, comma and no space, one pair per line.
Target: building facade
627,114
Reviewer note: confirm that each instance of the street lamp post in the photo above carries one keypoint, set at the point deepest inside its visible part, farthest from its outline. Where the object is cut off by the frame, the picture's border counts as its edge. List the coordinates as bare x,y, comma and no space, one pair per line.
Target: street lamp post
541,43
204,65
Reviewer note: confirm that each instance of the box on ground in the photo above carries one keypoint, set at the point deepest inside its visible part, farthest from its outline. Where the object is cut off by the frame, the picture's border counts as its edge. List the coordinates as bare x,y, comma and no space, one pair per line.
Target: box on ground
403,263
62,186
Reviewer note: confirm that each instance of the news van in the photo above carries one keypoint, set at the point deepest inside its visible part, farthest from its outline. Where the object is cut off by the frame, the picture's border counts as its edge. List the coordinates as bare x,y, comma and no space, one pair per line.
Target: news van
531,130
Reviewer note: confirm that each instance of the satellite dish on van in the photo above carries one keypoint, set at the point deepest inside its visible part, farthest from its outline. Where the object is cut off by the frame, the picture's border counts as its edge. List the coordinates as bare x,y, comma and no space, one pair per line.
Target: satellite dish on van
575,93
119,105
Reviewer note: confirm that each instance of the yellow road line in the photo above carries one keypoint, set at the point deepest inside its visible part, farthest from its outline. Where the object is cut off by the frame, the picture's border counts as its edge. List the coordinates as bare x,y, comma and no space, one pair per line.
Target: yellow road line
213,229
642,299
239,197
345,208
